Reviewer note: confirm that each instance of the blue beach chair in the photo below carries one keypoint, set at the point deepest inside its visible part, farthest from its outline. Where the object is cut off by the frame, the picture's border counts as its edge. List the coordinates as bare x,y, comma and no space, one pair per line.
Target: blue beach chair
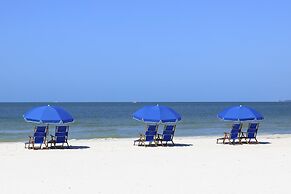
38,137
60,137
251,133
234,134
167,135
149,136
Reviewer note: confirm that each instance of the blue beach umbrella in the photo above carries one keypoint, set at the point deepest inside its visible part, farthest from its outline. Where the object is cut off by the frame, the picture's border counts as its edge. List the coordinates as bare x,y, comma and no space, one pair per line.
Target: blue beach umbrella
240,113
48,114
157,114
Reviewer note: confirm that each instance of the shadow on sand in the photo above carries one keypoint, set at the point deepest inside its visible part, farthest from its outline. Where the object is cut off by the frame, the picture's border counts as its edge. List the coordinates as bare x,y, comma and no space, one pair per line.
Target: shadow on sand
262,142
70,147
244,143
177,145
168,145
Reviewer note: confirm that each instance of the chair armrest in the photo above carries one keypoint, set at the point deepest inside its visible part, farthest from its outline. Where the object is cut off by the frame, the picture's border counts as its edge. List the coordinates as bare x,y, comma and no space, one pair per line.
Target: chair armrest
52,138
141,136
226,134
159,136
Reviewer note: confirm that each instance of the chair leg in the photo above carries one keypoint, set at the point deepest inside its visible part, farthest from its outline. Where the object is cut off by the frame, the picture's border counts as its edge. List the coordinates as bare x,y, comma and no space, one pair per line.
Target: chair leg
28,145
239,141
229,141
156,143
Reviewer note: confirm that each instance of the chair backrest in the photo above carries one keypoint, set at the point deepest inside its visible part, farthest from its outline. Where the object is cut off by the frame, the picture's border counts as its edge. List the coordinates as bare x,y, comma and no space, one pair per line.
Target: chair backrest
151,132
236,127
61,134
169,127
168,132
39,137
235,130
40,129
252,130
62,129
150,135
61,137
234,135
152,128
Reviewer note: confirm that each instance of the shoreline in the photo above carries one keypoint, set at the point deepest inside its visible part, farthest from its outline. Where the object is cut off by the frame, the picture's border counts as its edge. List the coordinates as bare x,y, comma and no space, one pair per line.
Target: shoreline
264,135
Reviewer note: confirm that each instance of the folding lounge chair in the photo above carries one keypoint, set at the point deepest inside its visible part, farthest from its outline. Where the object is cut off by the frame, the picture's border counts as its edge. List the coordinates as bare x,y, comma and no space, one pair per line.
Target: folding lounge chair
251,133
39,137
168,134
149,136
60,137
233,135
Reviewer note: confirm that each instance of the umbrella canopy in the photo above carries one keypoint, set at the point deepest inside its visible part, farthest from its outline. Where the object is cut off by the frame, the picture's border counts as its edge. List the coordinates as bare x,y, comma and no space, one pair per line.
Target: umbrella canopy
48,114
240,113
157,114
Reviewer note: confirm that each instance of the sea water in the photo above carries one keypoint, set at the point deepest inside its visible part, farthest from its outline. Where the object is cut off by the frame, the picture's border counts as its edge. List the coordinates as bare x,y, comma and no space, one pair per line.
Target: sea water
114,120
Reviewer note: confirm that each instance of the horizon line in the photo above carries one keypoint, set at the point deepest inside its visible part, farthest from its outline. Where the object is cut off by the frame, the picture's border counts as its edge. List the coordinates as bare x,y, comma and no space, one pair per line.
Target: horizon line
142,101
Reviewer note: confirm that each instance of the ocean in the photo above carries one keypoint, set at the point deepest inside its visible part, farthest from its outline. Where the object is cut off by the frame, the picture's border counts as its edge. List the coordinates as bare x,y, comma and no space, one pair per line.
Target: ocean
114,120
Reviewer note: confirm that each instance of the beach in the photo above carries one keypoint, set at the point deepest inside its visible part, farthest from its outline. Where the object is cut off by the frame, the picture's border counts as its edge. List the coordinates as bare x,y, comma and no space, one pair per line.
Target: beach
194,165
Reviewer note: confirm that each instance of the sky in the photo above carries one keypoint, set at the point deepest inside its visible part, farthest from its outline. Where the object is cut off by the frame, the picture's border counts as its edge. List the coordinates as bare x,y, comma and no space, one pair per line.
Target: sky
153,50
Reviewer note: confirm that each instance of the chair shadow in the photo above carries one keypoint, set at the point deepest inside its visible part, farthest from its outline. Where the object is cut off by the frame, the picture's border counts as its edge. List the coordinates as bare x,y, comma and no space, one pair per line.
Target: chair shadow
262,142
168,145
244,143
178,145
259,142
78,147
70,147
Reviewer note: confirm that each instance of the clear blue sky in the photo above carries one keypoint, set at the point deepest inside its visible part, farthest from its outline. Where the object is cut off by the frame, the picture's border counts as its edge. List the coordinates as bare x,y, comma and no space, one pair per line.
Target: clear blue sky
145,50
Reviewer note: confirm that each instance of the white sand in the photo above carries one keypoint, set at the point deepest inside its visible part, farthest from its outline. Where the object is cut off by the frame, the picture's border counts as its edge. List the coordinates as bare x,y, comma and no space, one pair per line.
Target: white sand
116,166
